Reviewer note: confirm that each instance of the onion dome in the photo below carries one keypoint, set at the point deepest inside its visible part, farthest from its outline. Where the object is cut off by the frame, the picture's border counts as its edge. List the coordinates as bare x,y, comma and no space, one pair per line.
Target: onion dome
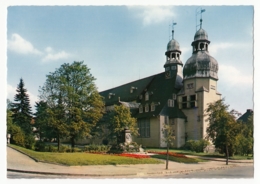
173,45
201,34
201,64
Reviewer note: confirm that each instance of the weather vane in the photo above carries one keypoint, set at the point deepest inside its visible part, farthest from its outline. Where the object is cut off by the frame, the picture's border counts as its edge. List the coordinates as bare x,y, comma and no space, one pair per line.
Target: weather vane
173,24
199,12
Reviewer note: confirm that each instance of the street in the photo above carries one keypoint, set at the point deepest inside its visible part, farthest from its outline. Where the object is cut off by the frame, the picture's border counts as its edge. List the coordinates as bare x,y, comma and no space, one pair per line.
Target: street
235,172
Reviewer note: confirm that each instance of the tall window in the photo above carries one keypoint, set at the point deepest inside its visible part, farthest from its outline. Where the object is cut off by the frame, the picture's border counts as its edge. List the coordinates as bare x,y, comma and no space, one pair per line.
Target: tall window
146,96
152,107
144,128
170,103
140,109
146,107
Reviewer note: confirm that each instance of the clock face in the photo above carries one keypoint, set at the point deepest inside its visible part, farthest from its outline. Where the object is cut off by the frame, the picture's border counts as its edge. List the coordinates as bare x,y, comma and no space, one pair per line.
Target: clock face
167,74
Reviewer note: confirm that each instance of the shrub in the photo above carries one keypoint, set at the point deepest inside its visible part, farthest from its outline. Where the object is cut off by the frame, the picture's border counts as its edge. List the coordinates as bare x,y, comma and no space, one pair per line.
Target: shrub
105,141
40,146
52,148
196,145
132,147
17,135
29,142
64,148
93,148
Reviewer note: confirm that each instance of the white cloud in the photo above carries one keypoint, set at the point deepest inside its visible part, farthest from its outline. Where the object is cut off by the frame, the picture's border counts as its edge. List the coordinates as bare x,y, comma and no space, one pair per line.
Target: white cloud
48,49
21,46
216,47
233,76
153,14
11,91
51,56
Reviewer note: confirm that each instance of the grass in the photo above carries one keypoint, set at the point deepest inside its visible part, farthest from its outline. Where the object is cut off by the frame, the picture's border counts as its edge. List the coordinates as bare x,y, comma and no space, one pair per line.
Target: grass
75,159
216,155
180,160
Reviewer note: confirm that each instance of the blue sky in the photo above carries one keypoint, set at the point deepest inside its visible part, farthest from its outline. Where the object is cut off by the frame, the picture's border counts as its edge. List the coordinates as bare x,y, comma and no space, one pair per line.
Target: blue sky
125,43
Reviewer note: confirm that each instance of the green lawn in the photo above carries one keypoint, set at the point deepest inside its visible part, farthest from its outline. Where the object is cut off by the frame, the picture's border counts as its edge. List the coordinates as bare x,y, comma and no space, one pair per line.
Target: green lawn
180,160
73,159
187,152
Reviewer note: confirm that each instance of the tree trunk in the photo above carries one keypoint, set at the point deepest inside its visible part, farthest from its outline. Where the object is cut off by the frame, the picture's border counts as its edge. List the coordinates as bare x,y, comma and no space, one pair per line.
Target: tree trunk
72,143
58,140
167,156
227,155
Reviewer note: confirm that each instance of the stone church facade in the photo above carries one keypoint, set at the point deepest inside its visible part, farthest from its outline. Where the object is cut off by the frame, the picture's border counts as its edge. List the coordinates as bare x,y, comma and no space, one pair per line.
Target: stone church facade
178,96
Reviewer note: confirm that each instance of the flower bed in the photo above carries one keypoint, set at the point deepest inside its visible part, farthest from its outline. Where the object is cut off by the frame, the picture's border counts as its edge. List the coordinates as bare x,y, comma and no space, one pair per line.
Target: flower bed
170,154
133,155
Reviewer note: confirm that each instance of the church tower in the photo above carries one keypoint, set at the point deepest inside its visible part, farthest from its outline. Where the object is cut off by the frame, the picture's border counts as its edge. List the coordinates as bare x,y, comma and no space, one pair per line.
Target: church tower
173,66
200,75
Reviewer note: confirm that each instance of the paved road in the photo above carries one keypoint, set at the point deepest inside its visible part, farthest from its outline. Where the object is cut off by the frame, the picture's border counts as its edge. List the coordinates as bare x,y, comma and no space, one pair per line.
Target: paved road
20,162
246,172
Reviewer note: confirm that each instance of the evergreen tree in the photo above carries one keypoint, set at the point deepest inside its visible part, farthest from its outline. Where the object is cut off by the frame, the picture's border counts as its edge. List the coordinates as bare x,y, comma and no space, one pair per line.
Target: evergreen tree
22,114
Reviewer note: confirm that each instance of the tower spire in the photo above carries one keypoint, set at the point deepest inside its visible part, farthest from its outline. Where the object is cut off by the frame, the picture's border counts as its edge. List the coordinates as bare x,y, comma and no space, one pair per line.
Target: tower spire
173,24
201,11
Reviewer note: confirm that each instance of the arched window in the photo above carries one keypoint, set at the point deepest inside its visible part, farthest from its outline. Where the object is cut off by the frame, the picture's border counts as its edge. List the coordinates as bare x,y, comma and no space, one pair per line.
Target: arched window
201,46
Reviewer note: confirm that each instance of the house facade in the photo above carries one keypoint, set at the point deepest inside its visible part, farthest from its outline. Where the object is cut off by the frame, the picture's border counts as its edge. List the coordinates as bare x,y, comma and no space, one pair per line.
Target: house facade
178,96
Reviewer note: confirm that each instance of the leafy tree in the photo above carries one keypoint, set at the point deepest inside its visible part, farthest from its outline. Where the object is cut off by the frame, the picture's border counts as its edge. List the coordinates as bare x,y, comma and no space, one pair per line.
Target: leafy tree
17,134
169,138
223,129
118,120
245,138
22,114
75,104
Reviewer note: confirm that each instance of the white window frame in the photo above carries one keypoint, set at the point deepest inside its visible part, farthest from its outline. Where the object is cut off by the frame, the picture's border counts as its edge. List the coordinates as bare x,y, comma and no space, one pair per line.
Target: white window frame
152,107
146,107
146,96
141,109
170,103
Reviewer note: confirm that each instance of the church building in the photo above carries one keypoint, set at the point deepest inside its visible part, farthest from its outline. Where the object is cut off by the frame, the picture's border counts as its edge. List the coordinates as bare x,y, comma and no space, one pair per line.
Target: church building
178,96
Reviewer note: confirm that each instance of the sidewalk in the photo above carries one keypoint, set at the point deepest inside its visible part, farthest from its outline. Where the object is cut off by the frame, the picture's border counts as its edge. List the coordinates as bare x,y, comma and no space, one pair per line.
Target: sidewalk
18,162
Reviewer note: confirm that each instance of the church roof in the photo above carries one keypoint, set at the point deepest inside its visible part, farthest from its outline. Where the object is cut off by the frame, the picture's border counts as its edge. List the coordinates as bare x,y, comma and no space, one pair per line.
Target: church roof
246,115
156,86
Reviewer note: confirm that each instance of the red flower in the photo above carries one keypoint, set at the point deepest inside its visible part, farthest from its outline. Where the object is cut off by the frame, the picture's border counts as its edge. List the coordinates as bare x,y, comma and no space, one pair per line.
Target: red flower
170,153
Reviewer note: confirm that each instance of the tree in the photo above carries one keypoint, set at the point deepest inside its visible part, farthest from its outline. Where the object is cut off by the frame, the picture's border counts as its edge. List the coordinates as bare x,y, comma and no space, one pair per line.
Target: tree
22,114
223,129
245,138
118,120
169,138
75,104
17,134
